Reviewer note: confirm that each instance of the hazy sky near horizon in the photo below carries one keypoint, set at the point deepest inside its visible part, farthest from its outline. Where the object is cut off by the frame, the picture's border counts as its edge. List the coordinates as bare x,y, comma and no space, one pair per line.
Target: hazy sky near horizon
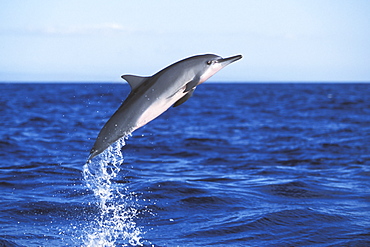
281,40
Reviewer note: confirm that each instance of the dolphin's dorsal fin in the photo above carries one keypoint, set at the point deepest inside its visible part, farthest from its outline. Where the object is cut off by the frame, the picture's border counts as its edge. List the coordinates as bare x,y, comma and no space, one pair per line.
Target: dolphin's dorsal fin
184,98
134,80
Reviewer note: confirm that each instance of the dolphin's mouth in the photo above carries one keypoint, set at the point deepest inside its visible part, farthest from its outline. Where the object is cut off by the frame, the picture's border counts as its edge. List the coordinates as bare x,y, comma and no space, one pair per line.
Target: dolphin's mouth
228,60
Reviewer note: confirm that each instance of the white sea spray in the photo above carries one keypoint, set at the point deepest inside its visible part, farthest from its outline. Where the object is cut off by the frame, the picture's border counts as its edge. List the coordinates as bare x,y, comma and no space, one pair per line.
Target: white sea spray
117,206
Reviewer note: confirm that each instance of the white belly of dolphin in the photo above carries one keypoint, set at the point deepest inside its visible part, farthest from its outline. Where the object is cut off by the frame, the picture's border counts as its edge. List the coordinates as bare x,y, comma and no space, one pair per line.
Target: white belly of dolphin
157,108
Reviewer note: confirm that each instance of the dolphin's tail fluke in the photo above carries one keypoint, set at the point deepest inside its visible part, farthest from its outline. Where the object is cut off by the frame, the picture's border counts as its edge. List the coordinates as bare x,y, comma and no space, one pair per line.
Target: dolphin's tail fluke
93,153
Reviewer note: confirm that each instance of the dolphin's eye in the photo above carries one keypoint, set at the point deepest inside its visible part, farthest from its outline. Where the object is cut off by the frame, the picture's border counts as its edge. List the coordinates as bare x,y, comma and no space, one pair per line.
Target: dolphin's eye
209,62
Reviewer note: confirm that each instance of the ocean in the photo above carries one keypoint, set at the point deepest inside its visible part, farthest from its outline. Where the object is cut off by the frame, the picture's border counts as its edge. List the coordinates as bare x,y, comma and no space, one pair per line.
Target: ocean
239,164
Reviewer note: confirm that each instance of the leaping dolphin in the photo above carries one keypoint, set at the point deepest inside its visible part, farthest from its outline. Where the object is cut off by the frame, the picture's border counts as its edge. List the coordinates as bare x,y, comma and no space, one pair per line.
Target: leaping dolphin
153,95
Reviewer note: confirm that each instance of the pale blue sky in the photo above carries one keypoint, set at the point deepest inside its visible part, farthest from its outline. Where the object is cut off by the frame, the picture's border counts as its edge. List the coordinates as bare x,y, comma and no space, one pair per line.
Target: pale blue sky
281,40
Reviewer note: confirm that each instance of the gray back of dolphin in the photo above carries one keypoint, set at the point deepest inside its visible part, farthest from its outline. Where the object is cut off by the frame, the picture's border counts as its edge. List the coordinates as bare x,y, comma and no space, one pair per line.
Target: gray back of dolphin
151,96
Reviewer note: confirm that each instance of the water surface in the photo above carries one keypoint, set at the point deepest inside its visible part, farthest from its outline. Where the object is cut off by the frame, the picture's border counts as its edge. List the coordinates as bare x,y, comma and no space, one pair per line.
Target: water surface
236,165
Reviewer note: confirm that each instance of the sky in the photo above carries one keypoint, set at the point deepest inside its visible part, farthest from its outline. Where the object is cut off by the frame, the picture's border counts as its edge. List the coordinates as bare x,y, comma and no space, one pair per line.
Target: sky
98,41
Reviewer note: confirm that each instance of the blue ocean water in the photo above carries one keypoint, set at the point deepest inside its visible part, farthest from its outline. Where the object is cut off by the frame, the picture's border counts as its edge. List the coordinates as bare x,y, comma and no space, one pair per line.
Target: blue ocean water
236,165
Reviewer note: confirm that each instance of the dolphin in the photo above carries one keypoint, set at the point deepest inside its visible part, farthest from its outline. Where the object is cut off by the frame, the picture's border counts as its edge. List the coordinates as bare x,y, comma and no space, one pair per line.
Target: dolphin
151,96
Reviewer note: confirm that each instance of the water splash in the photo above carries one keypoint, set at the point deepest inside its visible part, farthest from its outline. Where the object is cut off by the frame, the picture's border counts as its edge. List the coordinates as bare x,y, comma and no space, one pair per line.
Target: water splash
118,207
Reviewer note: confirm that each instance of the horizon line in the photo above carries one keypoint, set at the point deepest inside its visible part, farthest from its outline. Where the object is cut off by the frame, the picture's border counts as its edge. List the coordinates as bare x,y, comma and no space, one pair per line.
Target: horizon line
212,82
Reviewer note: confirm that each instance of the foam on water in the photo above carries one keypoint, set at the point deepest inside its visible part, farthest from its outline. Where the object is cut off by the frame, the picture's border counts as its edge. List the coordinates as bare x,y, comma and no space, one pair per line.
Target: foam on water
118,207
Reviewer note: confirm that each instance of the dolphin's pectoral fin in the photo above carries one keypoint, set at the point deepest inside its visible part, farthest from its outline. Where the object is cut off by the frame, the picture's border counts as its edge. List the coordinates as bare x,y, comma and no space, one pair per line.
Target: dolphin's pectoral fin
134,80
192,84
188,89
184,99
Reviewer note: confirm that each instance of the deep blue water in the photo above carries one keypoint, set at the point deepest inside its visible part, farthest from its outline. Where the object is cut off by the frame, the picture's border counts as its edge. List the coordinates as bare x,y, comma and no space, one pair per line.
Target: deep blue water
236,165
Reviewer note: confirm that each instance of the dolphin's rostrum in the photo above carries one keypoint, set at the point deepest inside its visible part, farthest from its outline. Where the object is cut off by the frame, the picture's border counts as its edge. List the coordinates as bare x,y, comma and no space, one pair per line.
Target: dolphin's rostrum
153,95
